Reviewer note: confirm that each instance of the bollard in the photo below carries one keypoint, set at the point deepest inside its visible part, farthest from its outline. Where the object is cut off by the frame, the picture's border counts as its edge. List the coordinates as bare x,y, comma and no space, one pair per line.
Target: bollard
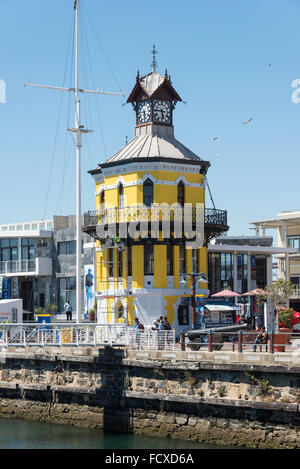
271,342
182,342
210,337
240,342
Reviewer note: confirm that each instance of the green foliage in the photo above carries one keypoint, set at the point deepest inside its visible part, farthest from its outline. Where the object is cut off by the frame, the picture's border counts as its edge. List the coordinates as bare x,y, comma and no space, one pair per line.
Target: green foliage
190,378
264,389
277,294
38,310
221,390
285,316
50,309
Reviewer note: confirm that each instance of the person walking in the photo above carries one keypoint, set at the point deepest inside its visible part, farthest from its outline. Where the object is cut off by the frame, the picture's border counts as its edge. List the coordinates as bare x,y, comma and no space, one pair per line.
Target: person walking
68,311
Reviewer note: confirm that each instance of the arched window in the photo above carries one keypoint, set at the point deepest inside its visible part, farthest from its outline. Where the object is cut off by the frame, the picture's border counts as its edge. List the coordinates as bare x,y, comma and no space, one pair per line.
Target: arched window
148,259
121,312
102,202
148,192
180,193
121,196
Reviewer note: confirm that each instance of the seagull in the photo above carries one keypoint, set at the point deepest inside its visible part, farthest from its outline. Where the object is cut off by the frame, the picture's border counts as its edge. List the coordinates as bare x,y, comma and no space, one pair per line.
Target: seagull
248,121
214,139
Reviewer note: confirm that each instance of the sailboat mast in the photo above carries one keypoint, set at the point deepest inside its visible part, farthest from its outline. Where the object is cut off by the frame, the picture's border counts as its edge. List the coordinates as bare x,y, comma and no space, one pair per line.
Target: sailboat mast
78,130
78,173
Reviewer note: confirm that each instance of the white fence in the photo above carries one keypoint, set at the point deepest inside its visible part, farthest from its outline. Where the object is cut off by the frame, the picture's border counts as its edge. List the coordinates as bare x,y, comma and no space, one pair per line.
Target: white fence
58,335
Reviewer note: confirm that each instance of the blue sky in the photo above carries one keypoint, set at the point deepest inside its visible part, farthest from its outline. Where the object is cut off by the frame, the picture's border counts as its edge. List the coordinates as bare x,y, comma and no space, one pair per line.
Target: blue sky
218,54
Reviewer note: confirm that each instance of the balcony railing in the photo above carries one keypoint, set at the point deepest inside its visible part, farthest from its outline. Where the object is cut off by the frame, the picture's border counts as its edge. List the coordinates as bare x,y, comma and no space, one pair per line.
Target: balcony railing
37,266
296,293
135,213
215,221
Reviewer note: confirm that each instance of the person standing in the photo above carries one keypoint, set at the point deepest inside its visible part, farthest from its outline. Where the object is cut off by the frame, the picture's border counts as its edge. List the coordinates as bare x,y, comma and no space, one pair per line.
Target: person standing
68,310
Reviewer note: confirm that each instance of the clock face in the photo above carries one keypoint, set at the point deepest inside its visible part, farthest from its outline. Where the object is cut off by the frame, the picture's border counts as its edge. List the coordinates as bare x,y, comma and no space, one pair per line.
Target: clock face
162,111
143,112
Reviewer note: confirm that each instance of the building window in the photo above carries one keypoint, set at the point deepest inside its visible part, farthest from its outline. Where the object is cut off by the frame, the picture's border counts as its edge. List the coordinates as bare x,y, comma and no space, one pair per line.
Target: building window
261,271
27,248
66,292
182,260
66,247
170,259
180,193
148,192
220,272
293,242
102,200
129,260
119,258
9,250
121,196
242,273
148,260
183,315
42,243
110,261
120,312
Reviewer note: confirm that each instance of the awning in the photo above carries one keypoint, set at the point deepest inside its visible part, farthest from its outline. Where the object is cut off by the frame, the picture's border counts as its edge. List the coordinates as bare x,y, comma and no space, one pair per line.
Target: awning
221,308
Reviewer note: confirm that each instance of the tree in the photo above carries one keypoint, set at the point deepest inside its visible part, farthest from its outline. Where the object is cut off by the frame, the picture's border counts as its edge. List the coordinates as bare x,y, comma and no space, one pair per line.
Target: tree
278,294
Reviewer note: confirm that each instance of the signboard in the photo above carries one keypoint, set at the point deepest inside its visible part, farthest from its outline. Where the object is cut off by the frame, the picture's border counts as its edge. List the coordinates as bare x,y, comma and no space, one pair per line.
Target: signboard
66,336
6,288
89,289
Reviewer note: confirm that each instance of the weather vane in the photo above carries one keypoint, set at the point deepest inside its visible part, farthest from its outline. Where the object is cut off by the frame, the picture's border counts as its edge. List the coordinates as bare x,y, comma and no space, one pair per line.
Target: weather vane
154,62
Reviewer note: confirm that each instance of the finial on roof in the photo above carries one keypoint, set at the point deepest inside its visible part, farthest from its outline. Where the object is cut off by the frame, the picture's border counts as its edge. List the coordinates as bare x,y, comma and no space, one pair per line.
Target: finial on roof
138,75
154,62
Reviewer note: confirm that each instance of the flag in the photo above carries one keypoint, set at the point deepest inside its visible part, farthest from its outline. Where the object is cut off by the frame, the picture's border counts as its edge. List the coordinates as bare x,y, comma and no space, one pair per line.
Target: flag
75,4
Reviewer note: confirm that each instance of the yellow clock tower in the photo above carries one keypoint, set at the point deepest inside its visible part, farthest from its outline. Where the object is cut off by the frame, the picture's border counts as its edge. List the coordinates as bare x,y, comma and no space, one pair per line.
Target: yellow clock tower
142,263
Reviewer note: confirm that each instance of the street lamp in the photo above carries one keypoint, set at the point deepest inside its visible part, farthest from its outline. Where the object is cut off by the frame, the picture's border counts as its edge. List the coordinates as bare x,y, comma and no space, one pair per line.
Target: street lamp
194,277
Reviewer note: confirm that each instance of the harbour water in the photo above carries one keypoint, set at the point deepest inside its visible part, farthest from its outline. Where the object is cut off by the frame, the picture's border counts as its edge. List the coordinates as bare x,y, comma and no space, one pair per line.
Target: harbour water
22,434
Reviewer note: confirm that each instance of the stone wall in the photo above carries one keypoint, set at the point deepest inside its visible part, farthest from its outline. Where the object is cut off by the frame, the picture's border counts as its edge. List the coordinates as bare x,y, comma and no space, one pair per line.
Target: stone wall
235,404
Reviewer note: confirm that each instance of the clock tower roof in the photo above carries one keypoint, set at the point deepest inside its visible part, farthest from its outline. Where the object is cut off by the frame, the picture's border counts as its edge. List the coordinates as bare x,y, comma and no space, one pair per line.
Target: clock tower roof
153,86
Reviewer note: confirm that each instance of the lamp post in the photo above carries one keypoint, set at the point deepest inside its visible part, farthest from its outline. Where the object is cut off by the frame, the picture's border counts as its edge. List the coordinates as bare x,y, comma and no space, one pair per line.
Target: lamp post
194,277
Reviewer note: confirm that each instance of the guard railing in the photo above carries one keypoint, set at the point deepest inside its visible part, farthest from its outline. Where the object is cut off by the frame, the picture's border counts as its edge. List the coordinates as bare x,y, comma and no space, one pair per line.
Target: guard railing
66,334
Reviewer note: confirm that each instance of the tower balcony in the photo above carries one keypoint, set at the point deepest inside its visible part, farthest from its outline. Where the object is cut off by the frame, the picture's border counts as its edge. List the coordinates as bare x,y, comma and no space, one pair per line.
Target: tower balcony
215,220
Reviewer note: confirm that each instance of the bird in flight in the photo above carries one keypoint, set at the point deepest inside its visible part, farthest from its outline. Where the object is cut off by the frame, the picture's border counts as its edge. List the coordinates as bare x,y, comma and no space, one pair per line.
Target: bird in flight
214,139
248,121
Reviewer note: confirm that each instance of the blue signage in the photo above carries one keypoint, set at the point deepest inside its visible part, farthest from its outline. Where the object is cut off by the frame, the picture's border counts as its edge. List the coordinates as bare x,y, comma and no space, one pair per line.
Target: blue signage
6,288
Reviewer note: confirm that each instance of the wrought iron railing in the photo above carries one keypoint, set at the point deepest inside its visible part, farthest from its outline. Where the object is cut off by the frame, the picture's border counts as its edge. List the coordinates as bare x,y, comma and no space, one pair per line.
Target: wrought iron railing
139,213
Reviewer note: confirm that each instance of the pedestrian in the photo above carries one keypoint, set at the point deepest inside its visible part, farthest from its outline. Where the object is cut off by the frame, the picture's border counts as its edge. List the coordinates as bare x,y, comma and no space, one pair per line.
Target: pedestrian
260,338
166,323
161,333
138,327
68,310
167,328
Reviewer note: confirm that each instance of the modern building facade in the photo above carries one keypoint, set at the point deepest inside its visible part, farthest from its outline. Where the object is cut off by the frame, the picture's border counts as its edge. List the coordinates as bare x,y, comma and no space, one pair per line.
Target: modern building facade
38,262
143,274
242,263
287,227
